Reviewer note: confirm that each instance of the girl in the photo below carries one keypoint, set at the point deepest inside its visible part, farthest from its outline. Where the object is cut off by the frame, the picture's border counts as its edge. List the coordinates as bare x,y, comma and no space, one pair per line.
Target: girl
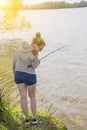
25,62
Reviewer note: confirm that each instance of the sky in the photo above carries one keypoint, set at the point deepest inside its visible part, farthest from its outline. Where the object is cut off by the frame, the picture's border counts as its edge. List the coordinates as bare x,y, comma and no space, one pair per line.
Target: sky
40,1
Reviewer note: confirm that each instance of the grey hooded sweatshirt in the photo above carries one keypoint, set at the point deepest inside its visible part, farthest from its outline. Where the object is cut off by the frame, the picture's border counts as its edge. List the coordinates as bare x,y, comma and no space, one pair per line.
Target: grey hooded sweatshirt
24,60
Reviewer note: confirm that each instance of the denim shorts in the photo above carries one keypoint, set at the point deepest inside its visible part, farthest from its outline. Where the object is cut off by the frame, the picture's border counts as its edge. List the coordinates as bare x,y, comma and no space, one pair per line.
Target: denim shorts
23,77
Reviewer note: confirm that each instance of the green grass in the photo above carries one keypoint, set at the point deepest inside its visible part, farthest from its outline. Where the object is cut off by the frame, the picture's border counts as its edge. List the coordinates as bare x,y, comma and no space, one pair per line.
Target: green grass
12,119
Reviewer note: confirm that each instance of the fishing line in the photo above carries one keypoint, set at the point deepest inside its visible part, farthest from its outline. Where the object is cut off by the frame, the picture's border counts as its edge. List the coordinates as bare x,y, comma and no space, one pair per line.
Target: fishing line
54,51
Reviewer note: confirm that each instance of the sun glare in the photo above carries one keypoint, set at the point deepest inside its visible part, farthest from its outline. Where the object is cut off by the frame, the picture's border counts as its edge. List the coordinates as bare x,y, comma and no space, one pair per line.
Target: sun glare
3,2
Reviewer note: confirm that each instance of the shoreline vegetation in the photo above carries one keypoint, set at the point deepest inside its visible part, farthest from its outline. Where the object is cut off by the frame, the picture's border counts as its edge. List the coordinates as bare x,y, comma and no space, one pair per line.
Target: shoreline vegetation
49,5
12,119
11,116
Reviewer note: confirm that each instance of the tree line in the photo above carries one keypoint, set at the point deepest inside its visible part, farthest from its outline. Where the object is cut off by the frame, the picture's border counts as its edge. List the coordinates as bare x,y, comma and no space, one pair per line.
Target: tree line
54,5
46,5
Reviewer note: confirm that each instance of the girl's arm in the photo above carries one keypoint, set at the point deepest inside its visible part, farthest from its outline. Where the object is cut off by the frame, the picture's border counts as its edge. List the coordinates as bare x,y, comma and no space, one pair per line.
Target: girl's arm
35,62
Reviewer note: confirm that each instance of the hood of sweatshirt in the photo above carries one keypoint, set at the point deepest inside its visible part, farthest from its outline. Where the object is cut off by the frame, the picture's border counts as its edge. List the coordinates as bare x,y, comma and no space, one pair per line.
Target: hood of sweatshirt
24,47
24,54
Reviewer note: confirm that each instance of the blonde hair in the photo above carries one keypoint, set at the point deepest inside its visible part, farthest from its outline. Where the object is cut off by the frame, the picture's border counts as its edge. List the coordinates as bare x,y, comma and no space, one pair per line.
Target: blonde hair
38,35
38,40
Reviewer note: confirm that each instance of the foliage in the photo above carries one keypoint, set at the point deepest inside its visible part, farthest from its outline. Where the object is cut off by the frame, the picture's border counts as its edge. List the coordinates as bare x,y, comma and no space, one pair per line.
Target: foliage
55,5
6,74
11,19
14,6
12,119
7,121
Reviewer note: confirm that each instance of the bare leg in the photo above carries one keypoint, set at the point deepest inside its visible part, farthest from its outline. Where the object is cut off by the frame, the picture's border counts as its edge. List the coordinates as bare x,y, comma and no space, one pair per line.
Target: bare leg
23,98
31,92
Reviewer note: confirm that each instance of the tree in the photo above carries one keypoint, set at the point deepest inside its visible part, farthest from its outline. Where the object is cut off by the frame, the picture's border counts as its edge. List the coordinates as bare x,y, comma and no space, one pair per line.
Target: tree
14,6
12,20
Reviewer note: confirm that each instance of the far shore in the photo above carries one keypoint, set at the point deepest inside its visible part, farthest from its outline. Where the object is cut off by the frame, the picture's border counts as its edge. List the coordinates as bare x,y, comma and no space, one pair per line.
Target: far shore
1,9
49,5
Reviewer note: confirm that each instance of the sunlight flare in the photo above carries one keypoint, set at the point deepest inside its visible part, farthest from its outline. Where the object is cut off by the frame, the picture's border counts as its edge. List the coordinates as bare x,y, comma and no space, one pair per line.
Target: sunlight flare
3,2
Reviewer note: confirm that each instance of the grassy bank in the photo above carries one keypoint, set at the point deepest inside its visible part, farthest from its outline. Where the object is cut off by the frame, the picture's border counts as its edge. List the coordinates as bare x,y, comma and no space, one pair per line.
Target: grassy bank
7,48
12,118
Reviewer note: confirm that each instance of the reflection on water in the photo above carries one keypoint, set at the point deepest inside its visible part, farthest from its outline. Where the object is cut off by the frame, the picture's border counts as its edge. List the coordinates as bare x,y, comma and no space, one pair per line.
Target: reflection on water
62,76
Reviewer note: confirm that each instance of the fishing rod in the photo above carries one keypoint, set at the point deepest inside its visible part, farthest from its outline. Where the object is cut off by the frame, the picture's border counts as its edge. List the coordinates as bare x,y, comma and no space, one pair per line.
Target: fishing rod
54,51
